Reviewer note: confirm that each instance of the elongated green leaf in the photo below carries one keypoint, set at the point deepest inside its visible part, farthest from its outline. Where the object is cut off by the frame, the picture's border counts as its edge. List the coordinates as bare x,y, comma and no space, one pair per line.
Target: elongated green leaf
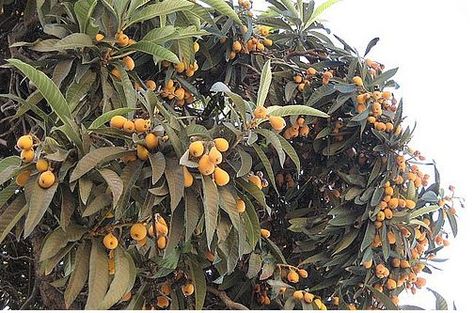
114,182
290,151
199,282
211,207
317,12
383,77
40,200
58,239
289,4
155,50
346,241
53,96
175,178
245,162
74,41
266,164
158,164
98,281
129,176
93,158
79,274
158,9
100,202
192,214
383,298
296,109
107,116
441,303
84,10
265,82
7,192
276,143
77,90
424,210
124,277
176,229
222,7
12,214
9,161
252,225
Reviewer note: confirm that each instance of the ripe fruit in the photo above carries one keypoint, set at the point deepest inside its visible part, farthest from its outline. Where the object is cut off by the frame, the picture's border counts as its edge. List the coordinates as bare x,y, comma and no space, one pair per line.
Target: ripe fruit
165,289
27,155
142,242
221,177
391,284
308,297
161,242
25,142
187,289
42,165
129,126
388,214
46,179
190,72
240,206
126,297
160,228
367,264
277,122
151,141
221,144
142,153
22,178
215,156
110,241
298,79
404,264
265,233
395,300
301,87
393,203
206,167
380,216
357,81
196,149
237,46
298,295
195,47
311,71
99,37
117,121
141,125
391,238
162,302
188,177
371,119
138,231
254,179
260,112
293,277
303,273
122,39
322,306
410,204
267,42
150,85
128,63
116,73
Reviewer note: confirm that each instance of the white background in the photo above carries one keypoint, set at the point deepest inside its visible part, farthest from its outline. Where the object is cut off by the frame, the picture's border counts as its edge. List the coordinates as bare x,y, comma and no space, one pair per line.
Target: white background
431,42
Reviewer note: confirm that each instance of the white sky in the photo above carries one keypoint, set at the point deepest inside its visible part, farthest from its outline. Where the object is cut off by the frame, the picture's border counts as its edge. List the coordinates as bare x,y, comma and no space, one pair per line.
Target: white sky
431,42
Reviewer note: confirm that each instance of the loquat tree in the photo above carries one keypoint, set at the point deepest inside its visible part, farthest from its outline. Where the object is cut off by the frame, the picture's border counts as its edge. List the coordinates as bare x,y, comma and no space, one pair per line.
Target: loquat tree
190,154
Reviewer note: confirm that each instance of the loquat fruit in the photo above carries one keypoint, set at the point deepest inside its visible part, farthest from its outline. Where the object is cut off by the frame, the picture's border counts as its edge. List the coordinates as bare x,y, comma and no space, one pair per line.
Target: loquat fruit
110,241
240,206
188,177
221,177
215,156
25,142
151,141
196,149
206,167
42,165
142,153
141,125
308,297
99,37
357,81
46,179
138,231
260,112
27,155
162,302
277,122
293,276
161,242
187,289
265,233
254,179
128,63
150,85
221,144
22,178
298,295
128,126
117,121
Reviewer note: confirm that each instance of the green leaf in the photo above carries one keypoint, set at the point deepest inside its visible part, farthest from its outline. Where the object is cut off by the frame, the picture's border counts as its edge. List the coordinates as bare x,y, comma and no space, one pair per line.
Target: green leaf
383,298
9,161
368,237
199,282
175,179
83,10
289,4
383,77
11,215
290,151
79,274
40,199
77,90
114,182
222,7
276,143
296,109
101,201
441,303
245,162
58,239
266,164
211,207
276,252
98,276
424,210
346,241
74,41
156,51
107,116
124,277
158,9
265,82
255,264
158,164
193,213
7,192
93,158
53,96
453,224
317,11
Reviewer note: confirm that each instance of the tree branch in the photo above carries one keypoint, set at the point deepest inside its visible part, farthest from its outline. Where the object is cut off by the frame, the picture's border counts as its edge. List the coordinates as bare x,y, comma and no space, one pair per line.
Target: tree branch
32,296
225,298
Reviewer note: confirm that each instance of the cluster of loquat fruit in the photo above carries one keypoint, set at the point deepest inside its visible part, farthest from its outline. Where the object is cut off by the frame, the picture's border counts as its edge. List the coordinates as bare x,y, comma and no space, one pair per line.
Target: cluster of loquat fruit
286,180
171,91
183,67
253,44
278,123
303,80
47,178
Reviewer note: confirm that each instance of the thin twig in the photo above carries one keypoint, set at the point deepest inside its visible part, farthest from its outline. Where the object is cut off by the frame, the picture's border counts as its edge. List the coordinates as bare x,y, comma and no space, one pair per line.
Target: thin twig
32,296
227,301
